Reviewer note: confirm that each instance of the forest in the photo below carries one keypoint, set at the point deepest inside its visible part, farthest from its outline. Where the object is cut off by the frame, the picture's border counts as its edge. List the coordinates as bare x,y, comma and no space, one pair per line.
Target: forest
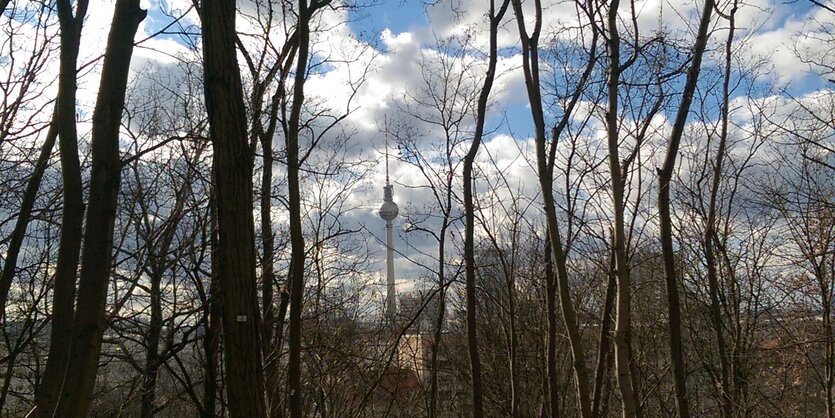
596,208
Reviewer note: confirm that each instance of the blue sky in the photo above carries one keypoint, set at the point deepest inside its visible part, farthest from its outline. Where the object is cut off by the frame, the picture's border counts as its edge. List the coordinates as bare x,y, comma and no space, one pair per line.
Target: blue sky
396,15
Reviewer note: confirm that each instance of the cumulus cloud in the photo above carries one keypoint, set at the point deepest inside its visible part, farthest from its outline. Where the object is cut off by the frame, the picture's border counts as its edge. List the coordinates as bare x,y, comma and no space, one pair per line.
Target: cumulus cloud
370,79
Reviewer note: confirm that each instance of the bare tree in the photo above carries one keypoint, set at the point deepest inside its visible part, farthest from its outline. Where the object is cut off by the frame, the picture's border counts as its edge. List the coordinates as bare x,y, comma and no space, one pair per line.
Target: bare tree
269,65
665,174
545,171
69,248
710,227
233,176
495,17
89,322
802,195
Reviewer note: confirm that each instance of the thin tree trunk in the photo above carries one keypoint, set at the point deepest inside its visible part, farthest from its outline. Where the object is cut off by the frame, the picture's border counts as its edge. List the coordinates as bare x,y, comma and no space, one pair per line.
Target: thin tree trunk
233,175
268,276
272,345
725,400
469,211
7,379
439,322
829,342
90,320
72,217
265,136
149,383
280,70
545,164
665,175
268,243
212,315
604,348
629,401
30,195
436,344
553,381
297,252
514,345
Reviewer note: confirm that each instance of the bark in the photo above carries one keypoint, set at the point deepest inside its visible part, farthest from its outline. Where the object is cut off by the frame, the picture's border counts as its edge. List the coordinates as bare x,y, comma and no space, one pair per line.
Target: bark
436,343
439,322
622,336
513,347
8,375
665,175
297,252
545,165
69,245
264,135
268,267
232,167
212,315
267,243
552,380
30,195
725,400
604,348
469,215
829,338
271,350
149,384
90,320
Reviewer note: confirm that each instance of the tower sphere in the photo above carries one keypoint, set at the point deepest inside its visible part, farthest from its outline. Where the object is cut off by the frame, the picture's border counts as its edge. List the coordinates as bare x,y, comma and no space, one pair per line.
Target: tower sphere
389,211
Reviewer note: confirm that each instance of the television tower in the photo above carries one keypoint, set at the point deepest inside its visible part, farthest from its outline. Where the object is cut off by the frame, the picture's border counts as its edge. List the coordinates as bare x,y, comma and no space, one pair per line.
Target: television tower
388,211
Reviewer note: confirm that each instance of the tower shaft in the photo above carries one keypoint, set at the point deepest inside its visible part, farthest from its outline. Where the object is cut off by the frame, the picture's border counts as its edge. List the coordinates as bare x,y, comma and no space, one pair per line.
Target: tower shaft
388,211
390,290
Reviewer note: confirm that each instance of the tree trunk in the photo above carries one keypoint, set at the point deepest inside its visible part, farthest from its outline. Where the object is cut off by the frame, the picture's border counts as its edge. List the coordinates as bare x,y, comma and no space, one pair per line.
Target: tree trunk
436,344
270,348
629,401
665,176
530,67
552,380
72,217
90,320
829,340
267,272
514,348
30,195
604,348
469,215
297,252
7,380
233,176
212,315
149,384
725,400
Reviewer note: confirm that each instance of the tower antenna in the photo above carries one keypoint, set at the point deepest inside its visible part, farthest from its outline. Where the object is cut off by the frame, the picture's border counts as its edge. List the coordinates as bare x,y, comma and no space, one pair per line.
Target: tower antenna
386,133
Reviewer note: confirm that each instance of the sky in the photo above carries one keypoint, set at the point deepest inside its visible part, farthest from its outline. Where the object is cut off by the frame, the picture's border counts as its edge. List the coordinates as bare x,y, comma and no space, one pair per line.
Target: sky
390,37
